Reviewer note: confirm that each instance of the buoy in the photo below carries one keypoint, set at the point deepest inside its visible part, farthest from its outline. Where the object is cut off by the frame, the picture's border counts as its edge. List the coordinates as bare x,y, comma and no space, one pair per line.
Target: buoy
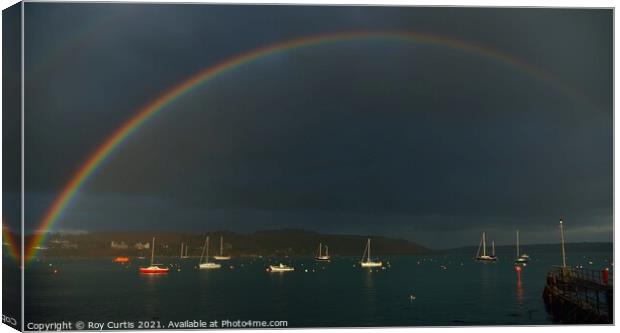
605,275
412,297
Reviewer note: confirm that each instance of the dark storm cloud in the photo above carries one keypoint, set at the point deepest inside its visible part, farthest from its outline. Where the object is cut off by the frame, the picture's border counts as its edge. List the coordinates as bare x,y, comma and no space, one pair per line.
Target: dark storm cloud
381,137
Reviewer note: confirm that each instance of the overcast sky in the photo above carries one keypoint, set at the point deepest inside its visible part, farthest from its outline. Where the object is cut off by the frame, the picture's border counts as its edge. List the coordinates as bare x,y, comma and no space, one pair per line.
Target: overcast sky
424,142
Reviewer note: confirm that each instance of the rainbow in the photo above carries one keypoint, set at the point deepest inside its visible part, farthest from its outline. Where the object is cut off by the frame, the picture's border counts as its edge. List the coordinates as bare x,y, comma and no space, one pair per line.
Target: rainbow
121,134
9,242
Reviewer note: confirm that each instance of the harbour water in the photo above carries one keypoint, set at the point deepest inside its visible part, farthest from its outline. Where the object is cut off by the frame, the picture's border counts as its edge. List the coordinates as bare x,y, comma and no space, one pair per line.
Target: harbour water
431,290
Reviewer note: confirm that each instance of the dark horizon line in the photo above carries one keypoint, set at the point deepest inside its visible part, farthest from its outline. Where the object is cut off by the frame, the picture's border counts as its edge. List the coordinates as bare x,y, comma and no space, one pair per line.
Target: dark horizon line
193,233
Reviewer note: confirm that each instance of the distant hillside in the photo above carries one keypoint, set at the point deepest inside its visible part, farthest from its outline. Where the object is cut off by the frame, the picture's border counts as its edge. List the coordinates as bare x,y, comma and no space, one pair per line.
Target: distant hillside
287,242
581,246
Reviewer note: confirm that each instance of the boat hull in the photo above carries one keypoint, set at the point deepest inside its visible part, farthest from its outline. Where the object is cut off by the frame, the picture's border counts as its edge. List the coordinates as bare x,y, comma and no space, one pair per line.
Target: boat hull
121,260
280,268
323,258
209,265
221,257
370,264
521,261
486,258
154,270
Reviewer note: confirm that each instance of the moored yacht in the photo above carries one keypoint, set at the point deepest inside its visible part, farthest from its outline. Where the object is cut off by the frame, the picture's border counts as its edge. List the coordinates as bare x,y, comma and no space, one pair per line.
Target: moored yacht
366,260
320,256
221,256
481,254
207,264
153,268
521,259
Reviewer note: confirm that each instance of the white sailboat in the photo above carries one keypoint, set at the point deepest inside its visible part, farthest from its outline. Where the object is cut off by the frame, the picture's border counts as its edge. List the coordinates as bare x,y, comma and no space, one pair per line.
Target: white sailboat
521,258
320,256
221,256
207,264
367,262
184,250
482,256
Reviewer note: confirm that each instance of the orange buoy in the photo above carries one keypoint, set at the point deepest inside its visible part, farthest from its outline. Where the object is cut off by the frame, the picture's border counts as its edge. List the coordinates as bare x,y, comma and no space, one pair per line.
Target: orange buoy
121,259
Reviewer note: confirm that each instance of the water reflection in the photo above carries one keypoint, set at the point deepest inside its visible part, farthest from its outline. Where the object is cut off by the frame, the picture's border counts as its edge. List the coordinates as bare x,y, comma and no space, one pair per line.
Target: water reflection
519,286
369,311
152,295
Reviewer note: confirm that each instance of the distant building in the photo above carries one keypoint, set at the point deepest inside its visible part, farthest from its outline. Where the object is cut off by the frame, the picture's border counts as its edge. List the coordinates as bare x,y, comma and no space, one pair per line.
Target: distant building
63,244
119,245
141,246
72,246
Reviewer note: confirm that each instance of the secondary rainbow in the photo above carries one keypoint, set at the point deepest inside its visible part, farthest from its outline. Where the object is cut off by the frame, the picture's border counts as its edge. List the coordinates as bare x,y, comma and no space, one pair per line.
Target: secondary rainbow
122,133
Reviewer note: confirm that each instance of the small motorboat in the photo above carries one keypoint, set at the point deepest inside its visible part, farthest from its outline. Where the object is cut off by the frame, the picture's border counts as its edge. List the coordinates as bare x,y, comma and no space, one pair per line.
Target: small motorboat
121,260
280,268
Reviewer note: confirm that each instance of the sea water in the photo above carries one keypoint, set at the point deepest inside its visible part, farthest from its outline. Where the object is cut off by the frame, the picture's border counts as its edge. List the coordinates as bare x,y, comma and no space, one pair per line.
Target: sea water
448,289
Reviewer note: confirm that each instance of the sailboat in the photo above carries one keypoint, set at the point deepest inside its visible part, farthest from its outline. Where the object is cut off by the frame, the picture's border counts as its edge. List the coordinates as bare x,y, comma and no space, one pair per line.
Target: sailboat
320,256
153,268
184,253
207,264
521,258
221,256
367,262
483,245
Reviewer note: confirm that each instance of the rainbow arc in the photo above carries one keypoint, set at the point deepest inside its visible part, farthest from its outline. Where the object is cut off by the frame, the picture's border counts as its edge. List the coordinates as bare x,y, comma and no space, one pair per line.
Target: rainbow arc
156,106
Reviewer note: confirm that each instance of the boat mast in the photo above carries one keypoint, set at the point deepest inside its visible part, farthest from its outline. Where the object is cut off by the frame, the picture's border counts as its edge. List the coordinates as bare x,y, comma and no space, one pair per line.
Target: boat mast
207,256
222,246
493,248
204,246
320,246
368,259
326,250
517,243
181,250
562,238
153,251
365,249
484,245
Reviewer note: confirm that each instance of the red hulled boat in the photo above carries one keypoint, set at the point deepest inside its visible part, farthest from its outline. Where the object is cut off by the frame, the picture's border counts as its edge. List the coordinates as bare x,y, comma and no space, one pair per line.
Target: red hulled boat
153,269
